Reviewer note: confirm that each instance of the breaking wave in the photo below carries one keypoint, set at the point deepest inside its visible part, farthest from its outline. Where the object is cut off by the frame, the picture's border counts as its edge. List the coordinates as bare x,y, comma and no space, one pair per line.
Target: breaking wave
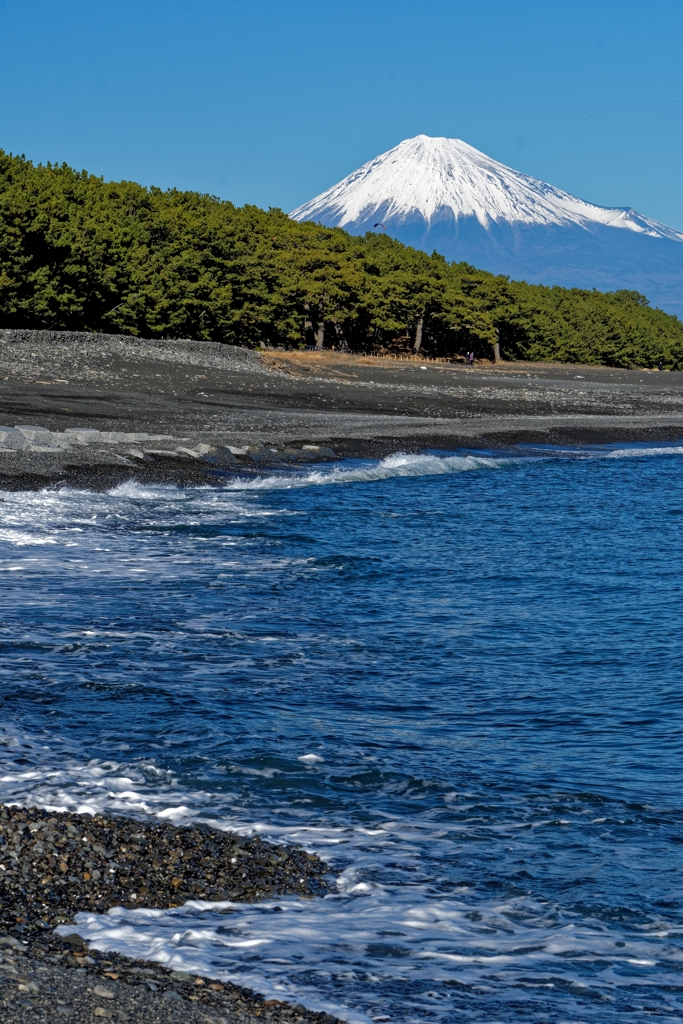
399,465
627,453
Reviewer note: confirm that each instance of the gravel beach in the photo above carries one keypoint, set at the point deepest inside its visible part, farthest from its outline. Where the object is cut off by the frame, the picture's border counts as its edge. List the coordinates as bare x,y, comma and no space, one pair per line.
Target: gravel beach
189,412
53,865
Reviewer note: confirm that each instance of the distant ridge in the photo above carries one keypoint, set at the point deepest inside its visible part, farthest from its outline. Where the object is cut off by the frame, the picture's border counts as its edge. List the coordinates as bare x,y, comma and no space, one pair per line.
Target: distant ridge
437,193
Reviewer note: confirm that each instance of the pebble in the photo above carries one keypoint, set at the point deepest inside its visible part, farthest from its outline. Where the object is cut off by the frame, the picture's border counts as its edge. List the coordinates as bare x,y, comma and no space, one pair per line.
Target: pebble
57,864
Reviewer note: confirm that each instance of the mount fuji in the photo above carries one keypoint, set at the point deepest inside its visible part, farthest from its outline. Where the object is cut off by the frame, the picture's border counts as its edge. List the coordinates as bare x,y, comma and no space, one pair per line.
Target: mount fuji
441,194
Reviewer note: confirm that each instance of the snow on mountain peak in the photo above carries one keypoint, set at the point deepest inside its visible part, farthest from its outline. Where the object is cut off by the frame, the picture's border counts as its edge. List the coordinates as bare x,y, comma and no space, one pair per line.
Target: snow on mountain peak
437,178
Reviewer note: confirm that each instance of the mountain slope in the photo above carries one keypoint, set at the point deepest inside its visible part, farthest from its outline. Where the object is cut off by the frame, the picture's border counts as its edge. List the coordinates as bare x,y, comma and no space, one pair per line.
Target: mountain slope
443,194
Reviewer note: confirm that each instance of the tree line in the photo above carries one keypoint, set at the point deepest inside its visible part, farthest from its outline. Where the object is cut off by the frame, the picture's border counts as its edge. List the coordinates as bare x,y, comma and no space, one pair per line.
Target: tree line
79,253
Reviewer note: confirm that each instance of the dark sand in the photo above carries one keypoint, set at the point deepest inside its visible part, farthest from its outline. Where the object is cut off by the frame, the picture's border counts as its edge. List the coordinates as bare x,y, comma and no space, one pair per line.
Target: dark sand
201,392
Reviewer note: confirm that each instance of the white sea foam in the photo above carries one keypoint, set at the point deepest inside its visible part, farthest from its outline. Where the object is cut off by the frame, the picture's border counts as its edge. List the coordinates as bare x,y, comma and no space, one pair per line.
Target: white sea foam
120,533
21,538
399,465
390,940
627,453
372,947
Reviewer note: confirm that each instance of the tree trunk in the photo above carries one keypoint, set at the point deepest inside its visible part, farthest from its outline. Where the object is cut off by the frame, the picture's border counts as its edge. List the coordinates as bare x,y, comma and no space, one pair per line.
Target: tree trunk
496,348
418,335
320,333
308,325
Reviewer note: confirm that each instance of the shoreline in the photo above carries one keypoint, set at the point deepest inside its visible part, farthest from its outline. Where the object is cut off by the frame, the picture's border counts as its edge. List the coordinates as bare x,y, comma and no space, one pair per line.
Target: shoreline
56,864
98,410
102,471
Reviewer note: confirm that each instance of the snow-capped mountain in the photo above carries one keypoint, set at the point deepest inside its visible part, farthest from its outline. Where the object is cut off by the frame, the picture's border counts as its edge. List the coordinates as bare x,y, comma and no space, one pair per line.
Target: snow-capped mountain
443,194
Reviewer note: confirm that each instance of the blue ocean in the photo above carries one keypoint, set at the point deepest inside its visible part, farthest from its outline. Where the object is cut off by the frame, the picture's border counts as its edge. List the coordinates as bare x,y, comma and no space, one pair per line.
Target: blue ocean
457,677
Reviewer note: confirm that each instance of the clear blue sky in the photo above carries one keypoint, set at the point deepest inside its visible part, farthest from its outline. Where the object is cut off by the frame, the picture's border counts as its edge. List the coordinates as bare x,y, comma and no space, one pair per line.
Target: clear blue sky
271,102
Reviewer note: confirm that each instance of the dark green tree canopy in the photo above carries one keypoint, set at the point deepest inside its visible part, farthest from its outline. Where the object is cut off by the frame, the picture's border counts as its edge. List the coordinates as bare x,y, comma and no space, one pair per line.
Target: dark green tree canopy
79,253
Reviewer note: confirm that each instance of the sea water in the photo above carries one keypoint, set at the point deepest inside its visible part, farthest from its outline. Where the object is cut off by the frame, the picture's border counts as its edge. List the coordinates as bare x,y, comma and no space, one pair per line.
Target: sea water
458,678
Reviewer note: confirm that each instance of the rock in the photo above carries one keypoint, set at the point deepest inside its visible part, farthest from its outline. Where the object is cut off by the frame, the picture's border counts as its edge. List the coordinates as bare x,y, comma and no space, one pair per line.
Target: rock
13,439
82,433
103,993
297,455
320,451
222,455
148,437
40,434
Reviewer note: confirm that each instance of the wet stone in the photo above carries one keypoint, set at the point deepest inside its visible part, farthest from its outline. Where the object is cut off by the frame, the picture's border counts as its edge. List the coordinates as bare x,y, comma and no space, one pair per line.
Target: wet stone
58,864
